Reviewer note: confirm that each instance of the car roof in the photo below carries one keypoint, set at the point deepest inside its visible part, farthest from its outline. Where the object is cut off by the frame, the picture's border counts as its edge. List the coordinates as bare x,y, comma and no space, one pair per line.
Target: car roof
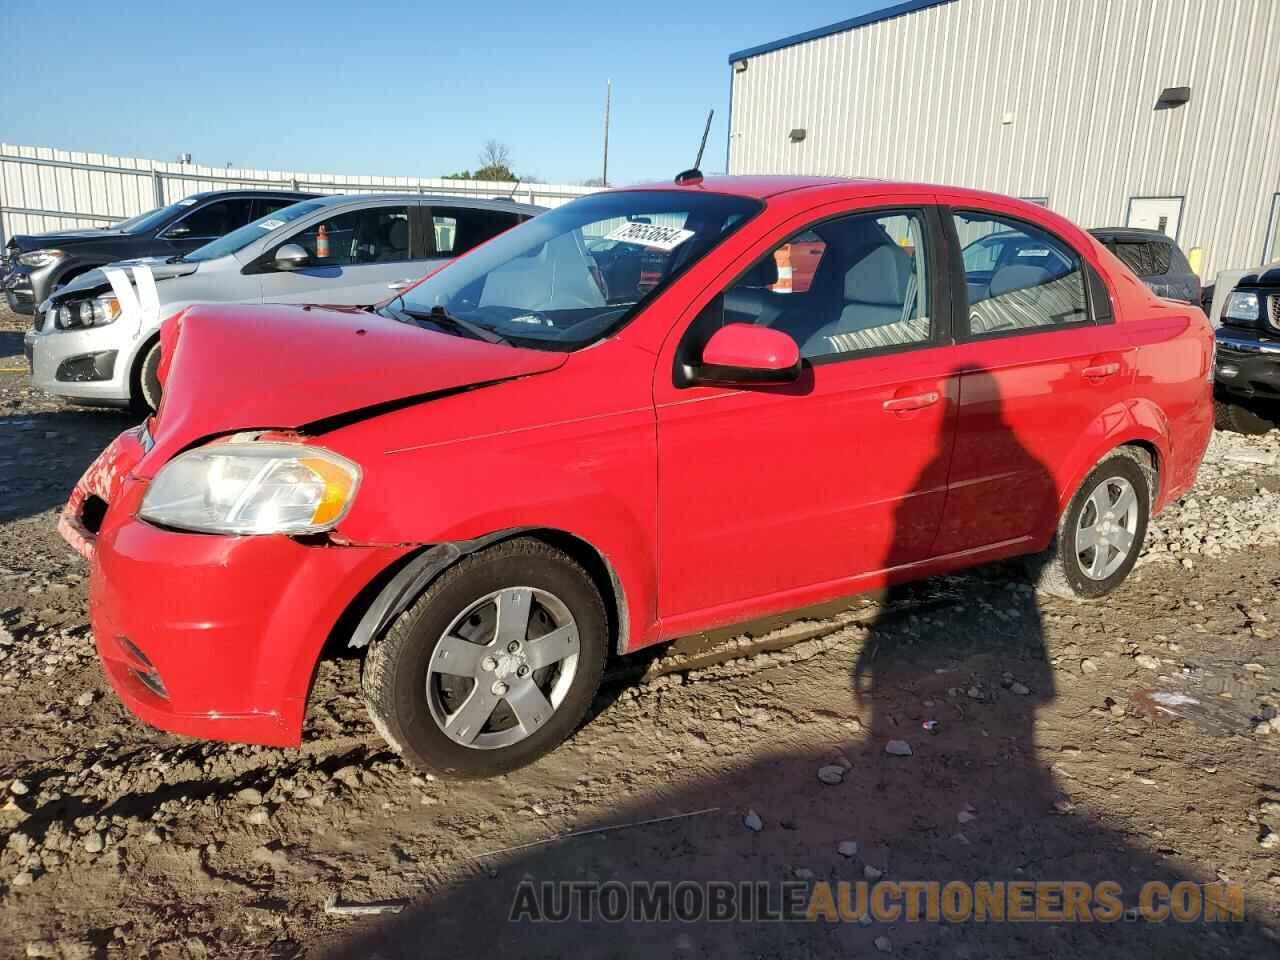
758,187
1129,233
455,200
250,192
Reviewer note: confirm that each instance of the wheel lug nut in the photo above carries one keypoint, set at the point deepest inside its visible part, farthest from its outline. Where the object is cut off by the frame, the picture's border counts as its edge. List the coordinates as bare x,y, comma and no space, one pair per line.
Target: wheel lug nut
523,671
488,663
513,646
500,689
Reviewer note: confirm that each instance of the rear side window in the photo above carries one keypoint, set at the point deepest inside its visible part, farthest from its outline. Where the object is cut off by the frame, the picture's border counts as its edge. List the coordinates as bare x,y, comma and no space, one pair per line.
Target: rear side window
372,235
1136,255
458,229
264,205
1036,282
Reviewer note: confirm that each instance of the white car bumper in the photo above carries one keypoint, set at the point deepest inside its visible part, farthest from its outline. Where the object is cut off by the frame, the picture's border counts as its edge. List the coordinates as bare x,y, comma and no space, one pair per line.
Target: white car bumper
91,366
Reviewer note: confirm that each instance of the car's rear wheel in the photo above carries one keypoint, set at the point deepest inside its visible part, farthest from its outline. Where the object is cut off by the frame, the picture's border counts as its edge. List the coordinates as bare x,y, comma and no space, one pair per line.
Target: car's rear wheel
1240,419
494,665
1101,532
146,389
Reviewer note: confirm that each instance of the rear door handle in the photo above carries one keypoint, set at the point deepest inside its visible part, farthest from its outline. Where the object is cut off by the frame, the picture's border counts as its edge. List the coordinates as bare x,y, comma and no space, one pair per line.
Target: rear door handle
1101,370
401,284
916,401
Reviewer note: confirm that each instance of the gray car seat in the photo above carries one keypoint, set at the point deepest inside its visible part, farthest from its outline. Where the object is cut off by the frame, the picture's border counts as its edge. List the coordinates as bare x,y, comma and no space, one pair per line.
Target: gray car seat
881,306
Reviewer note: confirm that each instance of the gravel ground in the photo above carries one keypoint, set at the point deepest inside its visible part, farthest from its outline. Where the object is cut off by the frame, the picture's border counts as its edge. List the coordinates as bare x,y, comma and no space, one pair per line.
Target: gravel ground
1050,760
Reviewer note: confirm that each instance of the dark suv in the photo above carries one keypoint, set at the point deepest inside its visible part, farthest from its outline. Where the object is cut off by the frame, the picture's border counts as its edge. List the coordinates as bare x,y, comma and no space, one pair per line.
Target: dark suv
1155,259
33,265
1247,375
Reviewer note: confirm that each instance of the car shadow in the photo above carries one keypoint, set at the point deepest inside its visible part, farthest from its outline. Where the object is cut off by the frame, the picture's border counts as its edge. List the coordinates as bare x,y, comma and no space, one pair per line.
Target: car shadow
960,685
44,454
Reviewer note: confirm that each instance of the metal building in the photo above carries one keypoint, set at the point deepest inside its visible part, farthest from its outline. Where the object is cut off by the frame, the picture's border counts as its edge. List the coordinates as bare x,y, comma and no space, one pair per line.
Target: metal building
1156,113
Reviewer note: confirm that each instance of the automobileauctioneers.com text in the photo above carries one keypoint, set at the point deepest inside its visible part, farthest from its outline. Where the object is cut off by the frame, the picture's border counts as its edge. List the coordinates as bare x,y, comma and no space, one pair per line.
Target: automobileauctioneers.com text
886,901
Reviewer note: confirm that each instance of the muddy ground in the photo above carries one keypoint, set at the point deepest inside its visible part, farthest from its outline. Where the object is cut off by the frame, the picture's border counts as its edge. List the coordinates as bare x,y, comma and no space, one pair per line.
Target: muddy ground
1051,759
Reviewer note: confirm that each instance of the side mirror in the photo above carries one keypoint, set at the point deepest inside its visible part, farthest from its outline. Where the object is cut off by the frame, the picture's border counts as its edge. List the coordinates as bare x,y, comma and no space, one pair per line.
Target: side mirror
291,256
745,354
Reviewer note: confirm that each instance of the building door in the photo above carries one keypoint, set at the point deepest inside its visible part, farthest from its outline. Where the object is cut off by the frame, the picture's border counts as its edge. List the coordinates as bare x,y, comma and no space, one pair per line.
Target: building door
1156,213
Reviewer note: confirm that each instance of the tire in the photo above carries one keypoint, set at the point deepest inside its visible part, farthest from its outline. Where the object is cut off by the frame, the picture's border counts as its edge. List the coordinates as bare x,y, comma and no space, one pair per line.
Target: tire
146,392
1239,419
1075,571
496,728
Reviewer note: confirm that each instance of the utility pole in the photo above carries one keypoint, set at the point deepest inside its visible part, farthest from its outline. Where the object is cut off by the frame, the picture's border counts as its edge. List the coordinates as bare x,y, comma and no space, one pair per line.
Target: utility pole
608,96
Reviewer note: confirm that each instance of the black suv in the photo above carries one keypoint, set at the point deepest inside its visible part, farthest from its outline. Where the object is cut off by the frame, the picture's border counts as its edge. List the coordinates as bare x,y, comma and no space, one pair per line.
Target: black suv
1155,259
1247,376
32,265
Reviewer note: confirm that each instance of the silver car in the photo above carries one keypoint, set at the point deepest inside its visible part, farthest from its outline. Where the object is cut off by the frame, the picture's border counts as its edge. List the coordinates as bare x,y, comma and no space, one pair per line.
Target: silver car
96,340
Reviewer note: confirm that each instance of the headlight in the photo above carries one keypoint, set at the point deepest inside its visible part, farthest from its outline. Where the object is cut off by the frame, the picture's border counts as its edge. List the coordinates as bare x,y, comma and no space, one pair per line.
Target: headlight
252,488
1242,306
88,313
40,258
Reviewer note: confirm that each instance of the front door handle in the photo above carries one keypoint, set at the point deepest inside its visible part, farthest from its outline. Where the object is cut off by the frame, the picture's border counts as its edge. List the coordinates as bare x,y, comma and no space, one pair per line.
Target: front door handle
401,284
1099,371
916,401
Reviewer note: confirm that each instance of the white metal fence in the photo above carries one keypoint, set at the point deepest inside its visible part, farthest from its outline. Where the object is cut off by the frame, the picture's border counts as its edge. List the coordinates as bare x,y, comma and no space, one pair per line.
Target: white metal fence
46,189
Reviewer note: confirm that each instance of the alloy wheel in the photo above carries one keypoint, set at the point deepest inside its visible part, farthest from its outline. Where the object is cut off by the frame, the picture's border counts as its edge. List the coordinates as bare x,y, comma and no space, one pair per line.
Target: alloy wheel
1107,528
502,667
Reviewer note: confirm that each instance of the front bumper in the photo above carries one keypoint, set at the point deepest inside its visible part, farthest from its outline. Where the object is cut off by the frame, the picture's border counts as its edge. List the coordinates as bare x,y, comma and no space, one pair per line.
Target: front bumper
73,363
210,636
25,287
1248,366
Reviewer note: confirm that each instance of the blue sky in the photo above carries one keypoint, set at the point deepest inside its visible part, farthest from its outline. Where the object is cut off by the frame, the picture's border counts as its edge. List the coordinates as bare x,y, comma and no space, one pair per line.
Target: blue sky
386,88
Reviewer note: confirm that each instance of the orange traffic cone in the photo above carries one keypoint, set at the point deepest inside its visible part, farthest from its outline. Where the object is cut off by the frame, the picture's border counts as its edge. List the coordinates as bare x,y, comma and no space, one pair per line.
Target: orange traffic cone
782,257
322,243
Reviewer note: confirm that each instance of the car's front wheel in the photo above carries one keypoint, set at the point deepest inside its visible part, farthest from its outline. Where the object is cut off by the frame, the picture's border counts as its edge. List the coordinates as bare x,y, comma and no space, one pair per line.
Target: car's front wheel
493,665
1101,533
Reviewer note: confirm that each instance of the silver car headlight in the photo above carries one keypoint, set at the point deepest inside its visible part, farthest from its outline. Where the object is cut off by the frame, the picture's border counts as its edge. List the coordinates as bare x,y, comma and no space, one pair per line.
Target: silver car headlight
1242,306
40,258
252,488
97,312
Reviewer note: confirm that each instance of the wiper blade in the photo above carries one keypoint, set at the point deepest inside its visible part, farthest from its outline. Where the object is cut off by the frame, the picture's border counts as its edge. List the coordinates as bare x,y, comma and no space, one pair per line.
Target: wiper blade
442,317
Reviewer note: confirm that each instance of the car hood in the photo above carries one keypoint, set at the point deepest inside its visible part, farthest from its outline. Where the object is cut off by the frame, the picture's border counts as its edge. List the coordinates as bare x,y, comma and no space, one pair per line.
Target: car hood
232,367
62,238
94,281
1264,276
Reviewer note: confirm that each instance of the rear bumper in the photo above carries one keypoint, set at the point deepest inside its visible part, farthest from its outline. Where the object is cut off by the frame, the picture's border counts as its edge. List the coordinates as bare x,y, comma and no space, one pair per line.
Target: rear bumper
210,636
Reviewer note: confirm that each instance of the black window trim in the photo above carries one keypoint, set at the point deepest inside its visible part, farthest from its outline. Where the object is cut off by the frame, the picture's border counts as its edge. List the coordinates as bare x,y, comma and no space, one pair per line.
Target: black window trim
1097,298
941,304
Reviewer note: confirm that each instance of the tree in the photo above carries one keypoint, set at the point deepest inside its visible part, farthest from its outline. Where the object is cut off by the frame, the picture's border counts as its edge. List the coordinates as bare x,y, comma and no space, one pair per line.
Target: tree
495,164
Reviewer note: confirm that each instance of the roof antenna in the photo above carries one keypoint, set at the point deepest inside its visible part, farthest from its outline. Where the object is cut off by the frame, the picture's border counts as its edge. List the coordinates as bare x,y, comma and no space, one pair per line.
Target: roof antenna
512,194
694,175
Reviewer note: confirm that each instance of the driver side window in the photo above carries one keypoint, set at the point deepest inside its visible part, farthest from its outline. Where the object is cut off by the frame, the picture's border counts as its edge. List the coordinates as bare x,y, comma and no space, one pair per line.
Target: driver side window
843,287
372,235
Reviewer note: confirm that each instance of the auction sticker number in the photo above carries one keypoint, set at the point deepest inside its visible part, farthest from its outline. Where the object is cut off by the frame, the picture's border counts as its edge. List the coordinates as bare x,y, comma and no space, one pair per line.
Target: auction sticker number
650,235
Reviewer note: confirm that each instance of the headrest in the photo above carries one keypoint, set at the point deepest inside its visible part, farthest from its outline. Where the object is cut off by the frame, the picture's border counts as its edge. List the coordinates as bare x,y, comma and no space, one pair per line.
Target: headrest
879,277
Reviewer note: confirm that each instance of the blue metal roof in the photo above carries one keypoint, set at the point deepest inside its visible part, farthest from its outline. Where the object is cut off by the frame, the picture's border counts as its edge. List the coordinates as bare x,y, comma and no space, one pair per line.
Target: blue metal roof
875,16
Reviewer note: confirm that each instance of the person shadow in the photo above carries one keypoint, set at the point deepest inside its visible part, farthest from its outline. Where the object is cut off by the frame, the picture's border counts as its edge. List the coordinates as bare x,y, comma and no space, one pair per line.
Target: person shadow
956,668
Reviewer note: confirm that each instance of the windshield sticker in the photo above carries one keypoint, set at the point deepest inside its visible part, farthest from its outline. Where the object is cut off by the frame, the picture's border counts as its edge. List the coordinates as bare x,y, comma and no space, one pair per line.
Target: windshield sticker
271,224
1037,252
650,235
189,202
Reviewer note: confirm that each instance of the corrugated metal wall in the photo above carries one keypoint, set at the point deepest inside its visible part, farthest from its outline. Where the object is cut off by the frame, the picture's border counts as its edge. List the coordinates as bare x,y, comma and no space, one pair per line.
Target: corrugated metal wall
46,189
1040,98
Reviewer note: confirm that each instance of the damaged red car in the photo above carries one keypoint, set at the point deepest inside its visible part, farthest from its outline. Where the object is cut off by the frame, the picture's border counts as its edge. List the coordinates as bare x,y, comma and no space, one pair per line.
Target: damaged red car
528,463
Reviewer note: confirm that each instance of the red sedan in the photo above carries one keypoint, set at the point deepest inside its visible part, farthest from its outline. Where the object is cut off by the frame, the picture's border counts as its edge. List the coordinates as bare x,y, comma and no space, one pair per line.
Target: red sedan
504,475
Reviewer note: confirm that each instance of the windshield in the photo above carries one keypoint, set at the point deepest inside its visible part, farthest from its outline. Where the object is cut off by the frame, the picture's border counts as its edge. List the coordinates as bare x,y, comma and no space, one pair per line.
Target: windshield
578,272
240,238
148,221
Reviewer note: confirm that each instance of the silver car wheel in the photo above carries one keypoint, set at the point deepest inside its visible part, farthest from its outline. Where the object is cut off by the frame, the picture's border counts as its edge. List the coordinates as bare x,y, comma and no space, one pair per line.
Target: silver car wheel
502,667
1107,528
